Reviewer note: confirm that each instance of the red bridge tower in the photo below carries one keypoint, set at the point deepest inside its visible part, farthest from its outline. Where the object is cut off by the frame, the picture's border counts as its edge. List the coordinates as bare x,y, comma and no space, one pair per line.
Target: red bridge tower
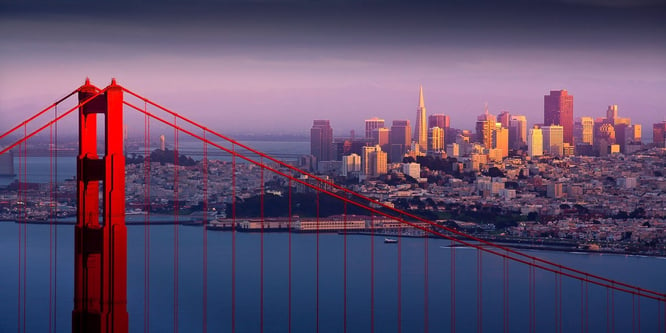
100,273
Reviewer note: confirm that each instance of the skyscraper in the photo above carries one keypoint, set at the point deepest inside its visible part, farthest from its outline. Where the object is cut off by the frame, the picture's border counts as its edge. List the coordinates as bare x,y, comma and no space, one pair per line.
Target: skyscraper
584,130
500,139
485,124
399,139
439,120
659,134
373,161
321,140
558,110
553,139
517,131
535,142
371,124
420,129
380,136
351,164
435,139
503,118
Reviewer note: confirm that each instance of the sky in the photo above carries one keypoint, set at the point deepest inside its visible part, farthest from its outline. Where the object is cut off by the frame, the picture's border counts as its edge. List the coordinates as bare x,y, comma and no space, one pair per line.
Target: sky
273,66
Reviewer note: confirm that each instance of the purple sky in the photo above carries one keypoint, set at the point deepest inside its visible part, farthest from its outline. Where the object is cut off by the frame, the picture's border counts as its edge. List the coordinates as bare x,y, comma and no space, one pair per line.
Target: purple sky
275,66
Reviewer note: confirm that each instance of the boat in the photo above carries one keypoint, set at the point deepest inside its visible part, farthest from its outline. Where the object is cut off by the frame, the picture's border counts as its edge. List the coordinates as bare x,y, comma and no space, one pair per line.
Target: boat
390,240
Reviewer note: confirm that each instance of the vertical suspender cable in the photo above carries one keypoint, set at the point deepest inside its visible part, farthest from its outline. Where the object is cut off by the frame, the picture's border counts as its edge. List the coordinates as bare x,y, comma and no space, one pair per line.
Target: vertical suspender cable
289,250
372,273
55,230
453,287
344,268
233,238
146,221
399,278
51,218
175,225
261,250
479,291
25,225
204,223
317,194
425,282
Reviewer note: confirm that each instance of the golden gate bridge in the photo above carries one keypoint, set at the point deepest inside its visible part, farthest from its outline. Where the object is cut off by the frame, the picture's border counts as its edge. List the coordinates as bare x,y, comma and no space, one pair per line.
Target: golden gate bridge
100,239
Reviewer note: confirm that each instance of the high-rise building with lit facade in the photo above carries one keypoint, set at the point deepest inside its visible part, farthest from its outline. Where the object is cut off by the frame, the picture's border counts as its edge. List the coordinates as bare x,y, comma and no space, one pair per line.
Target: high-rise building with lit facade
659,134
503,118
373,161
535,142
351,165
485,124
500,139
435,139
439,120
380,136
420,128
517,131
553,139
558,110
584,130
399,139
371,124
6,163
321,140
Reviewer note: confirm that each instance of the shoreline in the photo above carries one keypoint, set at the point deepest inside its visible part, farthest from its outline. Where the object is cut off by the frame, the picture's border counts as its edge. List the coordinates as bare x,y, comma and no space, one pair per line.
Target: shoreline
516,244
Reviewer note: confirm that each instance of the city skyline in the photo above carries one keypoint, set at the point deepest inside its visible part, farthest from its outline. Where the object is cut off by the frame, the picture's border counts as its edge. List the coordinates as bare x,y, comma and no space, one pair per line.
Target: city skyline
297,61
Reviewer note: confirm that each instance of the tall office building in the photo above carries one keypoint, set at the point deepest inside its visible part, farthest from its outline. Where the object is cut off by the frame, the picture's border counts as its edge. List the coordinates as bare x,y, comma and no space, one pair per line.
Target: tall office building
535,142
558,110
420,129
503,118
553,139
373,161
6,163
439,120
435,139
584,130
399,139
500,139
659,134
517,131
371,124
380,136
485,124
351,165
321,140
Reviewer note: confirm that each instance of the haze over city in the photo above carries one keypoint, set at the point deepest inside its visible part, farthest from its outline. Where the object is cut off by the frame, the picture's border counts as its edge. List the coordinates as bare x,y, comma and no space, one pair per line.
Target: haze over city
275,66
